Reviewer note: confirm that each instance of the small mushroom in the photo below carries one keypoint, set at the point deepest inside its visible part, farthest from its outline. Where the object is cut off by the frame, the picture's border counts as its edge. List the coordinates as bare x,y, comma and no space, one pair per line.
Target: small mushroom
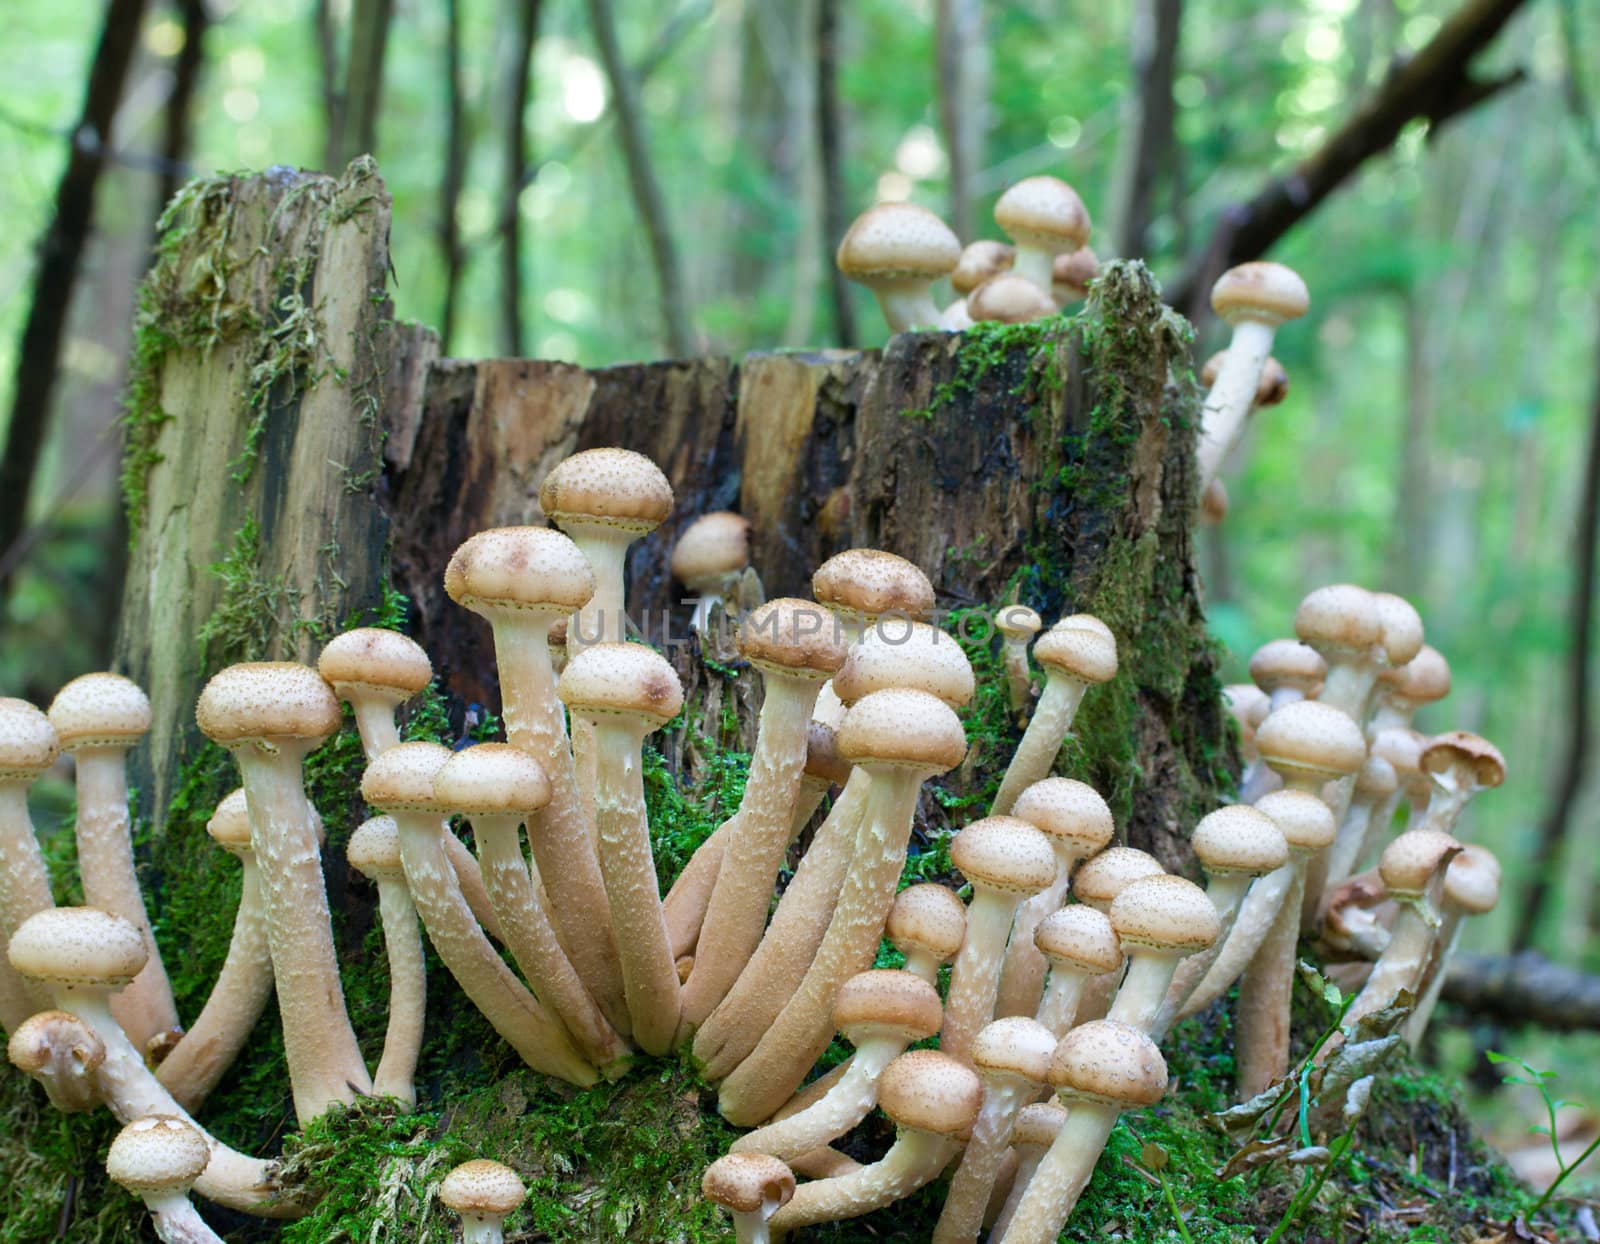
1159,921
709,557
1078,943
1403,690
898,250
751,1187
1018,625
1035,1130
1072,274
374,852
1009,298
979,262
1288,670
927,924
62,1053
1459,766
1471,888
158,1159
1043,217
1343,623
484,1194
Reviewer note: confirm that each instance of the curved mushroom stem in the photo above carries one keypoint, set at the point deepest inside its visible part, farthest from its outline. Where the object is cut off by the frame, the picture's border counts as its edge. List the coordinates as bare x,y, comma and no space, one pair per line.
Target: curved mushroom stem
915,1159
1041,741
1250,928
197,1062
1400,965
1228,403
962,1217
684,908
408,993
1227,893
849,1100
1063,1172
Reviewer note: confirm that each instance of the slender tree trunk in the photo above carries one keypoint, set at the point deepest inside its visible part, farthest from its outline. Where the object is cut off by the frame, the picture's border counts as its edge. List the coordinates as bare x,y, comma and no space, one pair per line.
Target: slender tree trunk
514,133
830,144
369,40
801,105
1147,155
455,164
962,93
1579,727
179,119
60,256
1409,531
327,41
646,189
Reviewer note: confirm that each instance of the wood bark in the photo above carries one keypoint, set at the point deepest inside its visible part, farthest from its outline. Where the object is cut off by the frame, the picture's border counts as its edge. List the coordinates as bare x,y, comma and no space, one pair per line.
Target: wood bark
456,142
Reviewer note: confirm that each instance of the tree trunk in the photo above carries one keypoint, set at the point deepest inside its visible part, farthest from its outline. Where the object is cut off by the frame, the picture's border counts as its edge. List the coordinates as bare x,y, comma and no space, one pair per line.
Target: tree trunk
455,164
830,157
1151,112
524,16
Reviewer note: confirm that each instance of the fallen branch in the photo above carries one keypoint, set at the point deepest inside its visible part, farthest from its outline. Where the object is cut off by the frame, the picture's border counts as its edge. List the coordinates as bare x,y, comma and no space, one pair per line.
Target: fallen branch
1525,989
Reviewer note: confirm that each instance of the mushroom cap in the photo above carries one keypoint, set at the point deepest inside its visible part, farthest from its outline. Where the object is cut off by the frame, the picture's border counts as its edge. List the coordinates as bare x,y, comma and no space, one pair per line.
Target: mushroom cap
979,261
1472,881
1004,853
1271,389
1239,839
158,1153
229,825
78,946
797,638
618,682
272,702
912,655
1214,503
401,779
1424,679
1410,861
1457,749
1376,779
1261,290
928,917
1165,913
895,242
1009,299
868,583
889,1003
1339,618
371,658
614,488
1402,749
515,568
1044,213
374,849
903,729
822,754
1102,877
744,1183
482,1188
99,710
1310,739
1015,1047
1071,273
1287,663
1306,823
1400,628
1070,813
930,1092
38,1040
1080,647
1080,937
28,744
1038,1124
491,779
1105,1061
1018,622
712,547
1248,705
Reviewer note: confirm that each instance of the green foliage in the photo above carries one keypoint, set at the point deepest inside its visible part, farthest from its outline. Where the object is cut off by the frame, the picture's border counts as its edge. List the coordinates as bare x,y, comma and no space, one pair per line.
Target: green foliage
1541,1080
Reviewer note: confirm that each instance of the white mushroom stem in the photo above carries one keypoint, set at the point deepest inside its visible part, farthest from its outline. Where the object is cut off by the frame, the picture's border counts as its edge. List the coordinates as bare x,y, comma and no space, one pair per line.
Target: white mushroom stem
1058,1009
962,1217
176,1220
1143,989
325,1065
207,1049
483,976
533,943
1063,1172
916,1158
1365,821
105,863
563,845
18,999
849,1100
1227,893
1019,678
1431,978
1400,966
1228,404
24,882
684,908
975,977
1250,927
1041,741
604,618
1022,978
1028,1159
1261,1020
907,305
408,992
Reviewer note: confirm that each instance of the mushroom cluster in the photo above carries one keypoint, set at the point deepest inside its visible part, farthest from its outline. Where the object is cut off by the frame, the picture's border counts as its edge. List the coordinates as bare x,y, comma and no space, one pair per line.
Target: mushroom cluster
1067,967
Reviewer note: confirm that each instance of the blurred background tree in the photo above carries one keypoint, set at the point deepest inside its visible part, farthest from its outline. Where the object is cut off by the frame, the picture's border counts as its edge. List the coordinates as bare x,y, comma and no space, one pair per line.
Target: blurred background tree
680,182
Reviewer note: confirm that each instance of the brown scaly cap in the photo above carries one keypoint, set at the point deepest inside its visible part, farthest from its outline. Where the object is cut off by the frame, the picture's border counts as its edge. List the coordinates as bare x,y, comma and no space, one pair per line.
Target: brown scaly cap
78,946
493,779
374,850
713,546
1340,617
1305,822
1262,291
28,743
822,754
1271,389
927,1091
1043,212
1311,738
229,825
1104,1061
1458,748
156,1154
1067,812
1101,878
482,1188
887,1002
38,1039
1472,881
371,658
797,638
1287,663
868,583
1400,628
1014,1048
1038,1124
1071,273
272,702
911,655
903,729
607,488
1082,936
1004,853
100,710
513,568
1009,299
1081,647
897,242
1018,622
980,261
401,780
1424,679
928,917
745,1182
1239,840
619,681
1410,861
1165,913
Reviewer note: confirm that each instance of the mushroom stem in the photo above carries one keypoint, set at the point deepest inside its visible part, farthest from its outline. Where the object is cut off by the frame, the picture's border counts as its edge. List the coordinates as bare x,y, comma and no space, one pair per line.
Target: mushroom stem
915,1159
1228,403
907,305
1227,894
848,1100
1250,927
1059,1006
177,1221
24,883
408,993
1041,741
975,978
1063,1172
962,1217
1261,1020
1399,967
684,908
1035,264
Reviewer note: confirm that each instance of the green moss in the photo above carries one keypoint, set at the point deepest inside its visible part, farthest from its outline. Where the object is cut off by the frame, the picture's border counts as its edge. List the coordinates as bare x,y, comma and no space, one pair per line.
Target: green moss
1034,349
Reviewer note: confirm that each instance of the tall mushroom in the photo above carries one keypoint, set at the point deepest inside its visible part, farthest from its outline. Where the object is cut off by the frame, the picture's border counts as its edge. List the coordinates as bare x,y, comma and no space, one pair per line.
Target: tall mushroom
158,1158
1343,624
709,557
1043,217
27,748
1376,783
374,852
1471,888
483,1193
97,719
898,250
751,1187
270,716
1271,388
1077,942
627,691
